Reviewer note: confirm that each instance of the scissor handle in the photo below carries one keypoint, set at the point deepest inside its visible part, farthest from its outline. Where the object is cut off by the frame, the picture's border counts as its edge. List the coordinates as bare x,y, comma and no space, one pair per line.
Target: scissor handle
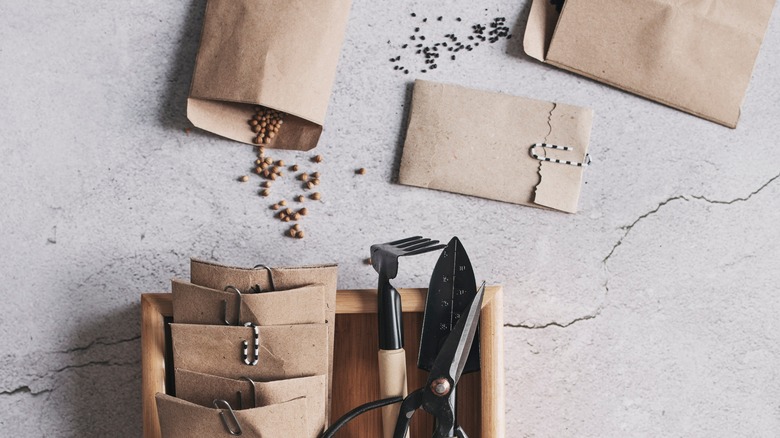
411,403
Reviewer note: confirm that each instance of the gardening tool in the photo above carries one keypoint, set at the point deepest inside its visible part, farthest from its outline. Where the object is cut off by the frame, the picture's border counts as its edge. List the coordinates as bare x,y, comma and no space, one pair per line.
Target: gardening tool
437,397
392,357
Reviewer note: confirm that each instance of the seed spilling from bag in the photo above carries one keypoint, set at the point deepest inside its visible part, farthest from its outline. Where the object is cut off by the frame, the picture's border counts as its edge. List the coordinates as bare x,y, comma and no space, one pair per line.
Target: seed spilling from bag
265,123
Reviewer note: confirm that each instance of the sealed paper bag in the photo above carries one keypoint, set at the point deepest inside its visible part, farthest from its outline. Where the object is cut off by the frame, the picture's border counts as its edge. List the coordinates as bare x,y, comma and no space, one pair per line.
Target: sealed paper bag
182,419
201,305
480,143
280,54
216,276
202,389
694,55
284,351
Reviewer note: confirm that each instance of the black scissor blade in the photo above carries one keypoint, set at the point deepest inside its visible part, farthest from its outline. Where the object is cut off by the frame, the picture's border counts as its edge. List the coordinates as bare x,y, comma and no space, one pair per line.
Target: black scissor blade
452,288
454,354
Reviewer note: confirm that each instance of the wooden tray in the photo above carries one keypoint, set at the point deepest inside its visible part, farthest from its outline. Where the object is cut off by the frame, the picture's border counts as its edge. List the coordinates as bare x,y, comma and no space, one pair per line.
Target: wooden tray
355,377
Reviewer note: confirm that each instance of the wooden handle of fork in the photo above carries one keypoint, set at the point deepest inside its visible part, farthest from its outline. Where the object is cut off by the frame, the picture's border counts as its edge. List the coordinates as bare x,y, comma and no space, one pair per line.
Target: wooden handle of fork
392,383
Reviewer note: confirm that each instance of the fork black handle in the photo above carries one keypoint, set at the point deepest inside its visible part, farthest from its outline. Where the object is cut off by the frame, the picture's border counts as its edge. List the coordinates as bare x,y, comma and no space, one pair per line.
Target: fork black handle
391,336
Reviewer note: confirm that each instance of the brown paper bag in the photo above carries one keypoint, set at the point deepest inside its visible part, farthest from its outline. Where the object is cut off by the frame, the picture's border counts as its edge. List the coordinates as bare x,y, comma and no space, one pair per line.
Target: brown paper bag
477,143
696,56
285,351
201,305
202,389
281,54
216,276
182,419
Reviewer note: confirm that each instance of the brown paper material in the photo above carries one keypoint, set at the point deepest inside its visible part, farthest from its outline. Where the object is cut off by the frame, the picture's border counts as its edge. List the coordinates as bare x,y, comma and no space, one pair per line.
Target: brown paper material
216,276
202,389
285,351
477,143
280,54
201,305
182,419
696,56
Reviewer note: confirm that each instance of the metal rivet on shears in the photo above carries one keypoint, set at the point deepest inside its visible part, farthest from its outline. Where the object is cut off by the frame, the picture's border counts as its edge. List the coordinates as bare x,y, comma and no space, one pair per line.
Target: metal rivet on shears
441,387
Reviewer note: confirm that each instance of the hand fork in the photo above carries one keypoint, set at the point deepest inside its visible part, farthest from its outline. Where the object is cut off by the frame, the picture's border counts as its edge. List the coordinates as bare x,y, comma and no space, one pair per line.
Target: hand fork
392,357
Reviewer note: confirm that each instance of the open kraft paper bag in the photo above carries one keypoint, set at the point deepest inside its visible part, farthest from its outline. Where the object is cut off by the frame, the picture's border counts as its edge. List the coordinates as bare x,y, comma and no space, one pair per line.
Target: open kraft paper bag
693,55
202,389
478,143
286,351
194,304
281,54
182,419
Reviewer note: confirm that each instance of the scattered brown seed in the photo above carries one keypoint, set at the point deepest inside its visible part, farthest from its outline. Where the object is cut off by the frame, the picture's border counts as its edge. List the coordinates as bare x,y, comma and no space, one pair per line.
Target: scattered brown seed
266,184
304,176
243,178
304,211
280,163
258,162
287,211
292,232
294,167
317,159
275,207
315,175
361,171
296,216
316,196
300,234
257,140
265,192
282,202
280,215
299,198
265,173
310,185
286,219
269,160
367,261
296,227
272,176
316,181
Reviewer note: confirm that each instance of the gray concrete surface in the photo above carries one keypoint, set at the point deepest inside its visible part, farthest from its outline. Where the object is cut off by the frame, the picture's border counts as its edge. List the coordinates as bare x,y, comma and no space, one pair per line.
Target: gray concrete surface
652,312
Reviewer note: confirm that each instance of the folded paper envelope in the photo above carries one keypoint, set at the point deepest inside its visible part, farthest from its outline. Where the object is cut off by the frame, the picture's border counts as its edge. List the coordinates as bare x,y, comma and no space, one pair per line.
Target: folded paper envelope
281,54
202,389
182,419
194,304
693,55
285,351
218,276
478,143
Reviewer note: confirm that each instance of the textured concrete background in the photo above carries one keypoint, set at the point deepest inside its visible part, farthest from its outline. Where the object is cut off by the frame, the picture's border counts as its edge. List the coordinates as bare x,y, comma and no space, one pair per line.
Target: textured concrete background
651,312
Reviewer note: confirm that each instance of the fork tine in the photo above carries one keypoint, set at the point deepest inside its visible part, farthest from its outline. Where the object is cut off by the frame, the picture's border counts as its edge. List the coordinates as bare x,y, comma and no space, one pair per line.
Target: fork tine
402,241
425,249
421,244
413,244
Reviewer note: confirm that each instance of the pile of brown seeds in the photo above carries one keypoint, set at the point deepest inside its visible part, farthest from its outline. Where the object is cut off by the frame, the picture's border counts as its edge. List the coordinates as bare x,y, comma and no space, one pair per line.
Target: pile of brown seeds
265,123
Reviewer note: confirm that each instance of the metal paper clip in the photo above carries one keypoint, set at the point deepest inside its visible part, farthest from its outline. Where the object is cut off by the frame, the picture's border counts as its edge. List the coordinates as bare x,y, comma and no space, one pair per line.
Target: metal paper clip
245,350
223,405
554,160
270,275
253,391
224,306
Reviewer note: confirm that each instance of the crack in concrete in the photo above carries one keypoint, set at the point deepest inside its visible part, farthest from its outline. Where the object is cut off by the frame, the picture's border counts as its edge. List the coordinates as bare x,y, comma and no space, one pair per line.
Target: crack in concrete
24,390
555,323
98,341
629,227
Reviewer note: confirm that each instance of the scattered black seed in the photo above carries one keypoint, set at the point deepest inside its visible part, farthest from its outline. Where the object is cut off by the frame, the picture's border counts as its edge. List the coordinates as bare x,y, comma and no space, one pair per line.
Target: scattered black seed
412,38
416,29
406,72
458,19
452,57
392,59
405,46
413,14
425,20
439,19
422,37
423,71
418,52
